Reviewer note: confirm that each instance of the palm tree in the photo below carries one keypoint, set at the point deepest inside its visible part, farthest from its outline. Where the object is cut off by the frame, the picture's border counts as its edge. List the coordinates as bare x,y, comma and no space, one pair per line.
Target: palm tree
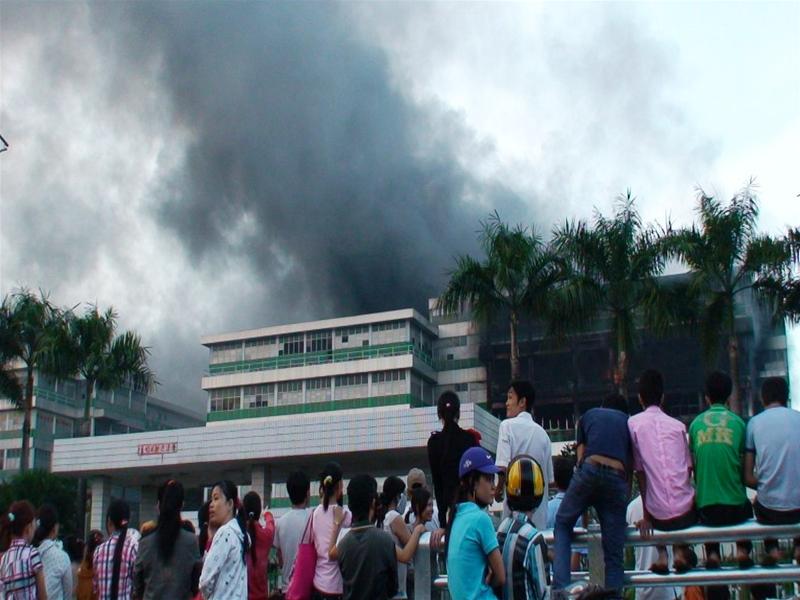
31,326
615,264
103,359
781,287
518,275
10,387
727,257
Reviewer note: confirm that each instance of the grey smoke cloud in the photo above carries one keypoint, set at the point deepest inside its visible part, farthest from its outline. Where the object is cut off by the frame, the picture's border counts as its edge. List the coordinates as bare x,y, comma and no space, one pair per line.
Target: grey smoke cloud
217,166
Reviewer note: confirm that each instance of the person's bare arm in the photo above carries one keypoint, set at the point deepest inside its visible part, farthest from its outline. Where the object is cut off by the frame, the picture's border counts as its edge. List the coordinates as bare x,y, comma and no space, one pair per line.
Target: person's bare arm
41,589
498,571
644,525
406,554
749,470
399,528
579,451
338,517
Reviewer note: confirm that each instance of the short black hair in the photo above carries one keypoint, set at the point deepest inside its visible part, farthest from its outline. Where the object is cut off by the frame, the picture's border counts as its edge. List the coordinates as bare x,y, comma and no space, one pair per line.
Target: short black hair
298,486
775,390
718,387
524,389
361,493
651,387
563,467
617,402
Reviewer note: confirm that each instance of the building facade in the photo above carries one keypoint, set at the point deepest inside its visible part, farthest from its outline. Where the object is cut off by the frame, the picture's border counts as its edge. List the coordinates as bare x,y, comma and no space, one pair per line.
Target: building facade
58,407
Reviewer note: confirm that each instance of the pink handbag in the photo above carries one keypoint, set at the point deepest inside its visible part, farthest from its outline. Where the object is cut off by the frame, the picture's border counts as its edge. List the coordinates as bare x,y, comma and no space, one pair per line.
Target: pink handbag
301,582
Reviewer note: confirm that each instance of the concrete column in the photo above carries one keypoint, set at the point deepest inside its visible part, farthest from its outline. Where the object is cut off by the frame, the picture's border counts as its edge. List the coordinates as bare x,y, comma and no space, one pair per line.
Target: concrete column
148,511
101,497
261,482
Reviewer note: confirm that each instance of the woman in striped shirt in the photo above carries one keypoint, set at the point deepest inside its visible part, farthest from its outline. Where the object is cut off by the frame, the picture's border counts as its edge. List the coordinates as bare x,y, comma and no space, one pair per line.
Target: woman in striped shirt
21,574
113,562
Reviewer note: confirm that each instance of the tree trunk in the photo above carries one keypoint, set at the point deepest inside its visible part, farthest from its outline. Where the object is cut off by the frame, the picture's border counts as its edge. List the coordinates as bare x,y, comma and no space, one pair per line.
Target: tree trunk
514,346
27,409
86,423
733,365
621,374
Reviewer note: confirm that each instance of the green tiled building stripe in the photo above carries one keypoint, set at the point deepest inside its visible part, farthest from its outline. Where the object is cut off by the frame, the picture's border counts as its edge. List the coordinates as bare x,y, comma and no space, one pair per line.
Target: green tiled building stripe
319,358
296,409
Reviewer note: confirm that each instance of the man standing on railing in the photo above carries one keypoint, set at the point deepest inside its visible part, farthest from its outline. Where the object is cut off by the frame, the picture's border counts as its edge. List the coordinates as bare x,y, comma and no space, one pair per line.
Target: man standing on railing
772,462
520,435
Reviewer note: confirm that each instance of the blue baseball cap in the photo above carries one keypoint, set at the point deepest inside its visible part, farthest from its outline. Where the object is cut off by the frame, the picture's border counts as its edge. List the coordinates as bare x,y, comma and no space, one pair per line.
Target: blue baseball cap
476,459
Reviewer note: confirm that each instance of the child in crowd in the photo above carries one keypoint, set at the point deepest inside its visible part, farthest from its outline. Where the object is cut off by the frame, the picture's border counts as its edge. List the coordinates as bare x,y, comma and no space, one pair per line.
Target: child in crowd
663,465
366,554
523,547
716,438
601,481
520,435
21,573
473,552
563,469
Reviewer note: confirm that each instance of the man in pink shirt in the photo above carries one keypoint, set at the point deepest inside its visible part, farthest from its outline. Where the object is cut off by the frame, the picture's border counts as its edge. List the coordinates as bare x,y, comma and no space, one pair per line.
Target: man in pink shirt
663,468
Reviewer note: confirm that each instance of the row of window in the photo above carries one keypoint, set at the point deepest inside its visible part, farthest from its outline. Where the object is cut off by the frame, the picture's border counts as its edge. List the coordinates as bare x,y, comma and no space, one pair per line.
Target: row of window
452,342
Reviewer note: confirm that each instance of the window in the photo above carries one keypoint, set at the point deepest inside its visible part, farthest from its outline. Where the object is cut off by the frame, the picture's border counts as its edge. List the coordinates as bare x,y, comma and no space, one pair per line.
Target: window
319,341
318,389
292,344
259,348
41,459
225,399
258,396
389,325
384,376
290,392
44,423
227,352
462,387
12,458
389,383
351,380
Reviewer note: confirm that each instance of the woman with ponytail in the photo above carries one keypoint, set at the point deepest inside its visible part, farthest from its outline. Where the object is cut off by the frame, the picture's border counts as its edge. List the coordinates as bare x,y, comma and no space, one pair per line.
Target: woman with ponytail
21,573
392,505
56,563
224,575
168,557
261,538
112,577
326,522
445,449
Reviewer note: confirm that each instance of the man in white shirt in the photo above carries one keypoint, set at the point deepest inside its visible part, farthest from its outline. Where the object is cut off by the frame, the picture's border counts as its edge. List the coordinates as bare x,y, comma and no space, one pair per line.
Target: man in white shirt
290,527
646,556
520,435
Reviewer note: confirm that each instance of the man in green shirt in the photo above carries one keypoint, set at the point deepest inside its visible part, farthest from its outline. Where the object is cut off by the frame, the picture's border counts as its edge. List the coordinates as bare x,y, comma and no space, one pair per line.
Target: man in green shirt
716,439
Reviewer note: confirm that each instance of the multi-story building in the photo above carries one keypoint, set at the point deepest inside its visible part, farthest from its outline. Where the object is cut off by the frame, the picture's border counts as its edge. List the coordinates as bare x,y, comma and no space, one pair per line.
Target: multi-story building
58,407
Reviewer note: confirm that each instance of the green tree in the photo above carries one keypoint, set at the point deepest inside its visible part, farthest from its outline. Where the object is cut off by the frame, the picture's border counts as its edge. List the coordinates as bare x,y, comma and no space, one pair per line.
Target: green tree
39,487
91,349
31,328
727,256
517,277
10,387
615,264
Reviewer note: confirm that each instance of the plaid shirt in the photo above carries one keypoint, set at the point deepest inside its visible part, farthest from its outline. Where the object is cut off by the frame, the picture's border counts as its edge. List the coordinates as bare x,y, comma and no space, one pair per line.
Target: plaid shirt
103,566
18,569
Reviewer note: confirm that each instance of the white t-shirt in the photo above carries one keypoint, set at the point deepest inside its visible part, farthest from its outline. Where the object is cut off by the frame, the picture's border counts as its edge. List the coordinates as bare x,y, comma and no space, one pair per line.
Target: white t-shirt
522,435
57,571
402,568
646,556
288,531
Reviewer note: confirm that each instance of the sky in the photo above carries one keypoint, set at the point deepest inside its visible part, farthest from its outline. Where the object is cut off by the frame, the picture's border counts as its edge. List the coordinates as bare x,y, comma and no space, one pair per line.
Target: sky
208,167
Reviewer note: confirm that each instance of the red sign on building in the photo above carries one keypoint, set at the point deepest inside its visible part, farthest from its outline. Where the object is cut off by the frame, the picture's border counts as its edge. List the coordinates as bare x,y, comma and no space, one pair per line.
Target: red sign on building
160,448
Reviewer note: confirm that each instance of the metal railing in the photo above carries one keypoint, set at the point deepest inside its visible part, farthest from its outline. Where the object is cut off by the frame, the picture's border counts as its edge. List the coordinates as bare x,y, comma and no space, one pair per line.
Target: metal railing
430,580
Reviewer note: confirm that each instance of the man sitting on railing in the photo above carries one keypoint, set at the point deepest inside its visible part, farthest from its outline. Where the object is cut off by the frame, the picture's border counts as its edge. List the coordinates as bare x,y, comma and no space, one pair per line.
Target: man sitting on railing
772,463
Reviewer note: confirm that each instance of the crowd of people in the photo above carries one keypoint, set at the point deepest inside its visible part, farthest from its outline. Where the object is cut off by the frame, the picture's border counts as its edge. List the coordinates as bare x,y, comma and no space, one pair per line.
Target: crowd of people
364,550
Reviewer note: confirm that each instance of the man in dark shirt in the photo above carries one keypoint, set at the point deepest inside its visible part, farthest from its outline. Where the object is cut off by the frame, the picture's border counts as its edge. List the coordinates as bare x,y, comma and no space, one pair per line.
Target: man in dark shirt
601,481
367,556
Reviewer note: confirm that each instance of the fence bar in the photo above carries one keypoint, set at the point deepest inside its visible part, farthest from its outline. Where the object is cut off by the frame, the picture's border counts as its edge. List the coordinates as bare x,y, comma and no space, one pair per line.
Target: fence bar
717,576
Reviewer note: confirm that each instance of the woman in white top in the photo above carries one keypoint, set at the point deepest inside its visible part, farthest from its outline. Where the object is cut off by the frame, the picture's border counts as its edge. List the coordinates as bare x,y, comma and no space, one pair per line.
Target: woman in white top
393,502
55,562
224,575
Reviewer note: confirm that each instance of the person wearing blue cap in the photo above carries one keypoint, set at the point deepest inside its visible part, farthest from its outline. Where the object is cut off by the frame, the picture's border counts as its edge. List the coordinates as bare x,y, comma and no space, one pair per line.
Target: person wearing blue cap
474,561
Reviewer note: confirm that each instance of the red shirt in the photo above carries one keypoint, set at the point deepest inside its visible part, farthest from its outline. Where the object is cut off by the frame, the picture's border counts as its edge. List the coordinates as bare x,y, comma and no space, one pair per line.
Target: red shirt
257,585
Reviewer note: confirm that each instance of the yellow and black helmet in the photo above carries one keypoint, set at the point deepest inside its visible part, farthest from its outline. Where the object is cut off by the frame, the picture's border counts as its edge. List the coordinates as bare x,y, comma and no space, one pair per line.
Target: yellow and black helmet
524,484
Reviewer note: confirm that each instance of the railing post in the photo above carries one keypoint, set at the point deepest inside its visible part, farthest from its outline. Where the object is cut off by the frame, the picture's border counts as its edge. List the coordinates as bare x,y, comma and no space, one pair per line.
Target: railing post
597,565
424,572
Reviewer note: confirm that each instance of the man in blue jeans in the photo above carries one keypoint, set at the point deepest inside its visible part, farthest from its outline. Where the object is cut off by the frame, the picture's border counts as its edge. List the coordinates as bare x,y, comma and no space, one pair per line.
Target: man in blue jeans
602,481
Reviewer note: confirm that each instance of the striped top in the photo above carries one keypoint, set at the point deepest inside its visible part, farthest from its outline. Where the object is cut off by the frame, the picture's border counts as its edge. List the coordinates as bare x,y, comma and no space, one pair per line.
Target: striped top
103,567
523,558
18,569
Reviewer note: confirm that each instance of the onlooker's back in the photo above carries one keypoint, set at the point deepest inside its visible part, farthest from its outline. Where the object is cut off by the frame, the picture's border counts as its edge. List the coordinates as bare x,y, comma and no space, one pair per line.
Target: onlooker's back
157,577
367,559
290,526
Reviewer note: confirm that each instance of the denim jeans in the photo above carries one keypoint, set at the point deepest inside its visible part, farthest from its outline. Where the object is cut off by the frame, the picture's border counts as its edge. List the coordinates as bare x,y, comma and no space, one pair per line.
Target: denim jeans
607,491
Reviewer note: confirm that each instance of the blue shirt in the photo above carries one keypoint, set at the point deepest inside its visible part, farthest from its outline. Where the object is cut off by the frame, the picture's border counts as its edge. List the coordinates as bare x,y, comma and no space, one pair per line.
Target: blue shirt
772,437
552,510
523,558
472,539
604,432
